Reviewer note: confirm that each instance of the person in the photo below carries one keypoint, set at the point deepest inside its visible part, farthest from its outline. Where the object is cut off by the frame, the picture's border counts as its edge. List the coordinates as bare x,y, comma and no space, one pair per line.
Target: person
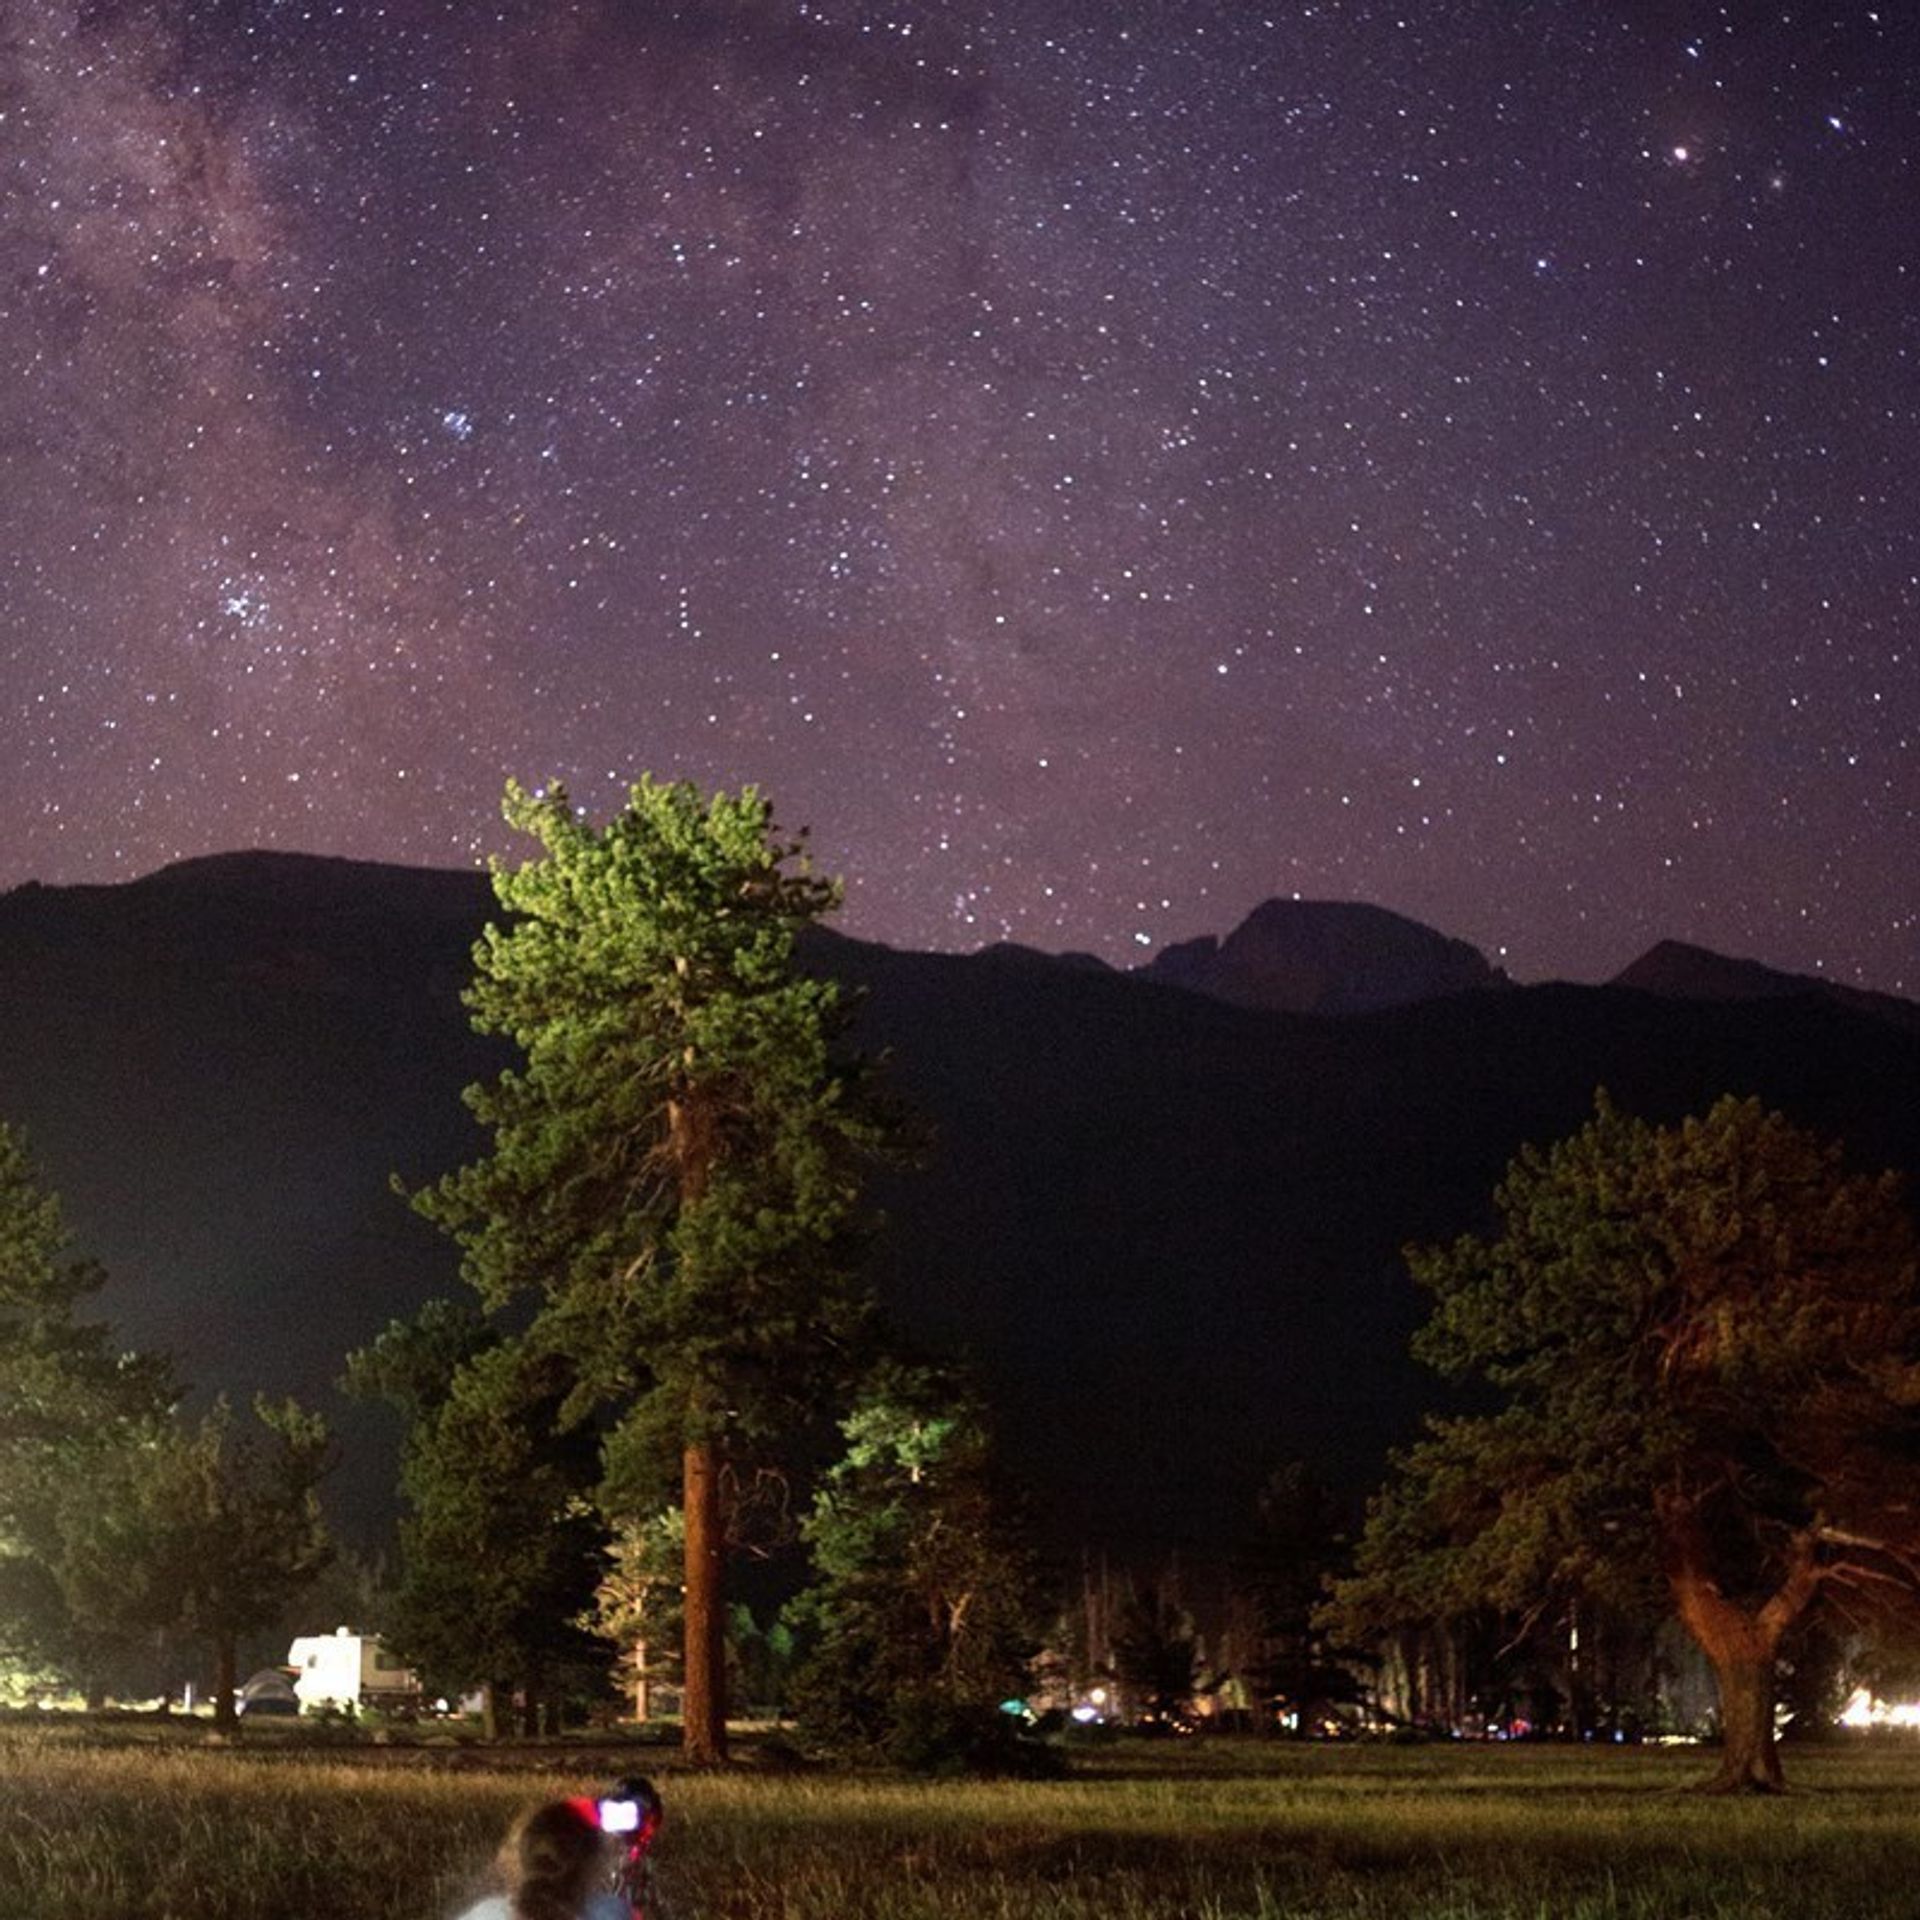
558,1865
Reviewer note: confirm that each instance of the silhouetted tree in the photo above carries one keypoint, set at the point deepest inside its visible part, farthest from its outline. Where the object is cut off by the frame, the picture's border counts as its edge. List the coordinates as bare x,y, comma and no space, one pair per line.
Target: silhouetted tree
76,1416
1296,1542
501,1546
1156,1651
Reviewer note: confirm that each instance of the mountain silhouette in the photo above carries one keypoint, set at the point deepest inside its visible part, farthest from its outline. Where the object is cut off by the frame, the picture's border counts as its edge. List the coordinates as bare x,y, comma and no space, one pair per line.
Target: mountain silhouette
1325,956
1166,1228
1678,971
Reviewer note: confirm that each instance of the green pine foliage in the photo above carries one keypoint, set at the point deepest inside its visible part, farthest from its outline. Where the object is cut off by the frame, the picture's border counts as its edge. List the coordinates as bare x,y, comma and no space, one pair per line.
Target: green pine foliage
233,1526
61,1378
922,1617
1703,1342
675,1169
500,1546
669,1219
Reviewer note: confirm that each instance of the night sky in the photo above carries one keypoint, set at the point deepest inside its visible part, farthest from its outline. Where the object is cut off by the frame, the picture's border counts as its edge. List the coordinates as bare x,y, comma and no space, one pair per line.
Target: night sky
1100,463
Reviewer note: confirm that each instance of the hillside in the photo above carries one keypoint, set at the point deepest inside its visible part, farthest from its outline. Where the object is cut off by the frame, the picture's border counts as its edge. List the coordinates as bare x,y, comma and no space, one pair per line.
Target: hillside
1167,1227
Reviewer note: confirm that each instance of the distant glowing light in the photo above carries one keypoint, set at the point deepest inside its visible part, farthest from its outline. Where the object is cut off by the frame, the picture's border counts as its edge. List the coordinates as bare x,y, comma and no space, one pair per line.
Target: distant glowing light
1863,1710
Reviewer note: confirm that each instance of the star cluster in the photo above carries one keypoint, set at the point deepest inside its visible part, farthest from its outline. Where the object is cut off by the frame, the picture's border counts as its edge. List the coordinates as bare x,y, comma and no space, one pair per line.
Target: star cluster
1100,463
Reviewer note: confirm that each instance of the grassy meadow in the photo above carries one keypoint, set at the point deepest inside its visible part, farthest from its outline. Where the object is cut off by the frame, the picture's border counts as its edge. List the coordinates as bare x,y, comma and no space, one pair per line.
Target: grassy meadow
145,1831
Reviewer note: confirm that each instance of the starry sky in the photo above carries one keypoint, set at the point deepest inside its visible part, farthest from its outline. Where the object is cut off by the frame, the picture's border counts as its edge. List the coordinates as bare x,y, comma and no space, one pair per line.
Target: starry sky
1099,463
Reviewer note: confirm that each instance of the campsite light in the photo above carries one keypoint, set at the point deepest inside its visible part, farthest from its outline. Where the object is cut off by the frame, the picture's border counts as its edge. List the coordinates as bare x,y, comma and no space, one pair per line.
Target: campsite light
1863,1710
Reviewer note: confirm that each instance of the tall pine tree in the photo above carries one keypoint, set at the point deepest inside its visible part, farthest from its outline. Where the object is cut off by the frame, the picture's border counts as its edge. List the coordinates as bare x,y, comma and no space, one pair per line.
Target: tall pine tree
674,1181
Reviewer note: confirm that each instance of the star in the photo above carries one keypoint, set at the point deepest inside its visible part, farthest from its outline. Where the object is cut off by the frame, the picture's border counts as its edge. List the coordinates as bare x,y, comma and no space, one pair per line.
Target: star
1085,462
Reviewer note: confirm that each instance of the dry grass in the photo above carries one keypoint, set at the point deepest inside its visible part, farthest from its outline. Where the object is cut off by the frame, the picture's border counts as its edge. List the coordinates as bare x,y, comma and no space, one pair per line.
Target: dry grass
187,1832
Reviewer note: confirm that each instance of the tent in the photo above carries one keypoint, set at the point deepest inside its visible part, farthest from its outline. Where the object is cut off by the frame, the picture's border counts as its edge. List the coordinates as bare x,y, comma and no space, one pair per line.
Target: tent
269,1691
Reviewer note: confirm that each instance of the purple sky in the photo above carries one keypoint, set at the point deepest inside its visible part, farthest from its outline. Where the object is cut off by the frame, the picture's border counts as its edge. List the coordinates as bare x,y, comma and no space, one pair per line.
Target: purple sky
1099,462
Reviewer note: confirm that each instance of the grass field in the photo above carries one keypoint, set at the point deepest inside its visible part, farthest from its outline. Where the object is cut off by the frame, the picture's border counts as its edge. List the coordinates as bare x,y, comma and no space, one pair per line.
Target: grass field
1218,1832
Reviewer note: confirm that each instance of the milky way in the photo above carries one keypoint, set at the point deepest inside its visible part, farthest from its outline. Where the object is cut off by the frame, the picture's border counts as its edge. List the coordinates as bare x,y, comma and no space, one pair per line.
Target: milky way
1099,463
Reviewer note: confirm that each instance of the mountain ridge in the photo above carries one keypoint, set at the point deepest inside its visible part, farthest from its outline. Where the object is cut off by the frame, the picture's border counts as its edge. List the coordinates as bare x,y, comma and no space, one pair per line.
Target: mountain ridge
1680,970
1166,1227
1230,967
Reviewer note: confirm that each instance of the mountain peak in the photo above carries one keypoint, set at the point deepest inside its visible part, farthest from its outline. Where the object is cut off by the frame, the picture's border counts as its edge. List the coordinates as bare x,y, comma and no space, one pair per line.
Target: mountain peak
1678,970
1682,971
1325,956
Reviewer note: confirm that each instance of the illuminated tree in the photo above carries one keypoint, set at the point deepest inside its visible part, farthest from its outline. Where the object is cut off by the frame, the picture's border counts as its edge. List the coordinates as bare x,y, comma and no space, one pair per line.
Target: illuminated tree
1704,1340
674,1174
637,1603
925,1601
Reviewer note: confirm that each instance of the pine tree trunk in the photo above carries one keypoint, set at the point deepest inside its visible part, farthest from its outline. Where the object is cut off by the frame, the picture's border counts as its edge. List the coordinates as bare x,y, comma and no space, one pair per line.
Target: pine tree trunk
1749,1753
1741,1641
703,1738
226,1677
490,1711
